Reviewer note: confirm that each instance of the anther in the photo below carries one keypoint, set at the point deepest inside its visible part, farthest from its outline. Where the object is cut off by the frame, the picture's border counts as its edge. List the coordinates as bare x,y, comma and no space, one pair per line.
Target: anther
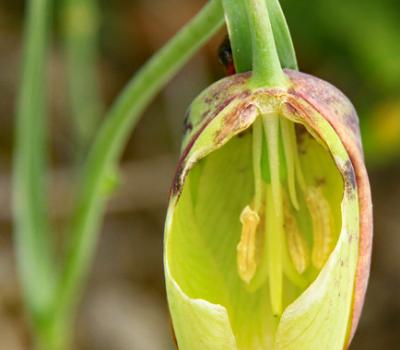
321,217
297,245
246,249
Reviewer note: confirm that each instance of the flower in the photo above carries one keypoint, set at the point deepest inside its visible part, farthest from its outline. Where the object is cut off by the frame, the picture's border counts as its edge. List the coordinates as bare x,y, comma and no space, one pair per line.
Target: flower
269,226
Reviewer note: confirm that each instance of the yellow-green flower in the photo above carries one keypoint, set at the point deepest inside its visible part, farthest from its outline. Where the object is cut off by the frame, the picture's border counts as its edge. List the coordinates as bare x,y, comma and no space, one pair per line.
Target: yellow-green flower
268,233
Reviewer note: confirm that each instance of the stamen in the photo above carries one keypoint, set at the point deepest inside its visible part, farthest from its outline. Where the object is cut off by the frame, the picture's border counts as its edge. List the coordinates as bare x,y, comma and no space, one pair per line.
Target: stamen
246,249
321,217
257,154
296,243
290,149
299,172
274,214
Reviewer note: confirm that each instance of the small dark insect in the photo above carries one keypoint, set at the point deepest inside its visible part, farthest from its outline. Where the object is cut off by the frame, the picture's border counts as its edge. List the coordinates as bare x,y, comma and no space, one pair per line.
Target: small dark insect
225,56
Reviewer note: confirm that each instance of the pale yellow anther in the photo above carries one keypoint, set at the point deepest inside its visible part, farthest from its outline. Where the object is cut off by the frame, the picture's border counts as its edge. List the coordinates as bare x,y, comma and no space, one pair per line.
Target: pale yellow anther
321,217
246,249
296,243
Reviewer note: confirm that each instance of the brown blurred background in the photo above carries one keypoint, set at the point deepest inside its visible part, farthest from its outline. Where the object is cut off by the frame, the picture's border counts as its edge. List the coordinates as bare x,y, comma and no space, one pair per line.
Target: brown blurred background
354,44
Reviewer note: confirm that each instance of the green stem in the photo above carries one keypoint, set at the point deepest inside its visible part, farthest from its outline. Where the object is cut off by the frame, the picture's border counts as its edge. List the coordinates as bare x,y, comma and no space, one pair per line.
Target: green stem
239,34
110,142
267,71
29,184
80,27
53,336
283,39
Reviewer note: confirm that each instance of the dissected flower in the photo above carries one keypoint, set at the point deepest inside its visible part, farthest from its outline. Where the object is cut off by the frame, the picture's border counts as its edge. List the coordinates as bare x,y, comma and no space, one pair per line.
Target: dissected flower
268,233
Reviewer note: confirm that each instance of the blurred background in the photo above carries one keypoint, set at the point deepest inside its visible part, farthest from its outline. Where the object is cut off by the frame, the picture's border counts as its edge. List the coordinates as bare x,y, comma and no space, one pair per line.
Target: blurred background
354,44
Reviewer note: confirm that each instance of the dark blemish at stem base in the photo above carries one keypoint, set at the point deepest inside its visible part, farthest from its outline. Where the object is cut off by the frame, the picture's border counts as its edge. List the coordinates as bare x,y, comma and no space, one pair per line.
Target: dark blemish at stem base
225,56
245,132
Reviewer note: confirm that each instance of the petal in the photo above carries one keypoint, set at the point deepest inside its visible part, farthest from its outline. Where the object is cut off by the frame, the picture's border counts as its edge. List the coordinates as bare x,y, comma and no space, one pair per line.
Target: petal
326,314
339,112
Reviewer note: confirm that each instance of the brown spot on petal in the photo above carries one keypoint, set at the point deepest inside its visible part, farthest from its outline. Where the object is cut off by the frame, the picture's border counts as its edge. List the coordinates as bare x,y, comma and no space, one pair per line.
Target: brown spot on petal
290,108
177,182
217,107
243,133
330,102
349,176
235,121
187,125
333,106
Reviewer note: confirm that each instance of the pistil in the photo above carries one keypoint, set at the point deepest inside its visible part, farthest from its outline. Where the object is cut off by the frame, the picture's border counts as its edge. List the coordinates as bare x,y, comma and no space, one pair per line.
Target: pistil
274,214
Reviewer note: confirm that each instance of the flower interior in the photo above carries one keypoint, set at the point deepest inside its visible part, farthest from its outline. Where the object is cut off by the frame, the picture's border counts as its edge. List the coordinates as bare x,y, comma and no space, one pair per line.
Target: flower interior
255,223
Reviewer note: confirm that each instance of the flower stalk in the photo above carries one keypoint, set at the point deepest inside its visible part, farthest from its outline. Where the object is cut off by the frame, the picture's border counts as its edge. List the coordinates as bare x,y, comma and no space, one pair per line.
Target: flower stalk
109,143
80,25
267,71
51,297
29,188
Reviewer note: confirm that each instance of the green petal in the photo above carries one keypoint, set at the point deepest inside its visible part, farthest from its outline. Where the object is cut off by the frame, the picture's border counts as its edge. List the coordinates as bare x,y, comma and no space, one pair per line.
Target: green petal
198,324
319,318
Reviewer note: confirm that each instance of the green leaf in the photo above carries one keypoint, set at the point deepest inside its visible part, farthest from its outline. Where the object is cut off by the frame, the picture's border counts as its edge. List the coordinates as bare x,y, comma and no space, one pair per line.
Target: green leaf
109,144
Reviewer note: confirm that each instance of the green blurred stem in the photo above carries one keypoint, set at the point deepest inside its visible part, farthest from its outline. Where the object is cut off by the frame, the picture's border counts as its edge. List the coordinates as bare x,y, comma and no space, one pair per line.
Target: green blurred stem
109,143
267,71
80,28
32,240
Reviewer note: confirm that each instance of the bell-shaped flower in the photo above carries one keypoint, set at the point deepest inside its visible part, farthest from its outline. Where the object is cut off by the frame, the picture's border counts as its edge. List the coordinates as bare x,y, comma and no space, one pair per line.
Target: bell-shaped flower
268,232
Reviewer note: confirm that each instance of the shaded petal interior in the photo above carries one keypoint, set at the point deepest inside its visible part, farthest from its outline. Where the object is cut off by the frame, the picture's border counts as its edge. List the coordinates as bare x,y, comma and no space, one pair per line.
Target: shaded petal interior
206,229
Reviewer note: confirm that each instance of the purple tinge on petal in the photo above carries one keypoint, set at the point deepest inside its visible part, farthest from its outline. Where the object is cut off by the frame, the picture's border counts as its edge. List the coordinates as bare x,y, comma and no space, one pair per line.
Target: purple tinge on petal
334,106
